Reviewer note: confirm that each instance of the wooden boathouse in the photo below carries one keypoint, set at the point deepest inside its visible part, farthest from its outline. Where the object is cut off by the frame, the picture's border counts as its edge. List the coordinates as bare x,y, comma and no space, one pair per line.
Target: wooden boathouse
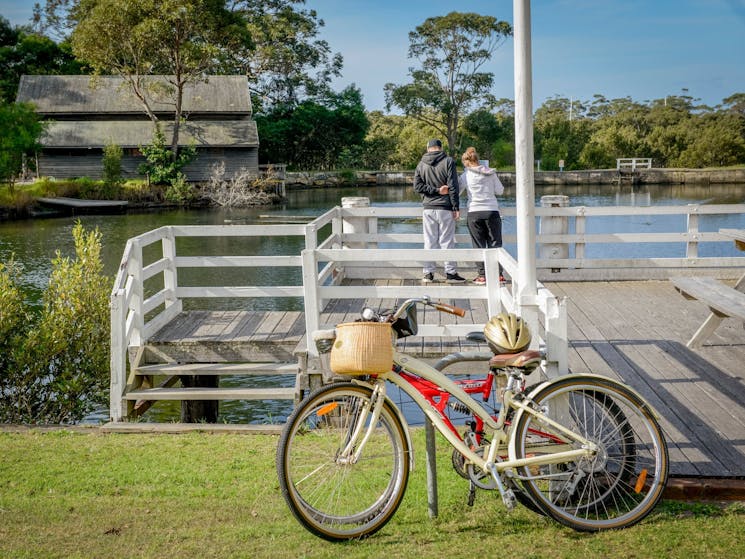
84,114
619,317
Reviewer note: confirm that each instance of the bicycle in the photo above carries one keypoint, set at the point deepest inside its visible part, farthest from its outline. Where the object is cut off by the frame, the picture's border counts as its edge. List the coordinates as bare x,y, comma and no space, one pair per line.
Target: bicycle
584,449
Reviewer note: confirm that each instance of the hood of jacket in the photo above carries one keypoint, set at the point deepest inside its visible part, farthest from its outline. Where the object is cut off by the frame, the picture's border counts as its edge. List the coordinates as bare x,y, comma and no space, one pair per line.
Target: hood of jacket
482,170
433,157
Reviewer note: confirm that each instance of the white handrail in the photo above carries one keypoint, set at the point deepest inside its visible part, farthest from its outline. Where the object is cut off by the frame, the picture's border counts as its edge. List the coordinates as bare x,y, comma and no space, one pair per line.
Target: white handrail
136,313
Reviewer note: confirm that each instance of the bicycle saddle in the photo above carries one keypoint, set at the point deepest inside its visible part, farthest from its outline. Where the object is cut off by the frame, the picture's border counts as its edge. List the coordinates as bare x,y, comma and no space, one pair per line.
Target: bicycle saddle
528,359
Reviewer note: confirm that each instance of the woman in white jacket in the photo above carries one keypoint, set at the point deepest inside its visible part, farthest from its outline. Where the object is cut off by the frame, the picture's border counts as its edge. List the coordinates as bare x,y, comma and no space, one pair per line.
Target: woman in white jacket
484,221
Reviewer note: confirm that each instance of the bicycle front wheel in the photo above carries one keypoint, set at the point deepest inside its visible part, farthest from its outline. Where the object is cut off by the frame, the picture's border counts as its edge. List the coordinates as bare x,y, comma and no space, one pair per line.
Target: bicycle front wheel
333,495
617,486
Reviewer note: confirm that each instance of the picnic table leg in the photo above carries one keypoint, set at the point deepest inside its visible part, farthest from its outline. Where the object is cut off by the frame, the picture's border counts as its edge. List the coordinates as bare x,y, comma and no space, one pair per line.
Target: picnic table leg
704,331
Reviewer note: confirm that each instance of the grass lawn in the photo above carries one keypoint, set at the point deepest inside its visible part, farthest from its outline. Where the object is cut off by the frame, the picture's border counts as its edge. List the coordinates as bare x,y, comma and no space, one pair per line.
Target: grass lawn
73,494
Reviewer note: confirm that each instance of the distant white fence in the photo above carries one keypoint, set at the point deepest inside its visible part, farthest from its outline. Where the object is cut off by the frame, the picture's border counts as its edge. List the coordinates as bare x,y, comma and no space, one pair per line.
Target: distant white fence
634,163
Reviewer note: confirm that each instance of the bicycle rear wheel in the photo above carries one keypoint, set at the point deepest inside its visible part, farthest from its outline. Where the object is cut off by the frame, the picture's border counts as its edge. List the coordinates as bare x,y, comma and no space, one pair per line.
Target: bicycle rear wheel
622,482
333,496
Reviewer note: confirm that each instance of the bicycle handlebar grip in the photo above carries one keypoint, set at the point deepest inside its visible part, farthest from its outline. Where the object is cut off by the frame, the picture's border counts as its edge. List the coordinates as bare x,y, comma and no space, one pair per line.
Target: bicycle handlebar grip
449,309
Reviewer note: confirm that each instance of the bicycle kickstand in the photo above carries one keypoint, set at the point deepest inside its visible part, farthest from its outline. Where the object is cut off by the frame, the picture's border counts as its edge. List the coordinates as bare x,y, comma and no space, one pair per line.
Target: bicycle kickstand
471,494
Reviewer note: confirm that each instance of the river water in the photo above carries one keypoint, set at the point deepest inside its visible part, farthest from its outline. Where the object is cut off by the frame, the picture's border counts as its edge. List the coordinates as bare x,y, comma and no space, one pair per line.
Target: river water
33,242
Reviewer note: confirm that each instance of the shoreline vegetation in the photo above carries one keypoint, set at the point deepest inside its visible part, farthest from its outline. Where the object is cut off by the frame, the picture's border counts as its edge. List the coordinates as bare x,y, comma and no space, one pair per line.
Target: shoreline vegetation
23,204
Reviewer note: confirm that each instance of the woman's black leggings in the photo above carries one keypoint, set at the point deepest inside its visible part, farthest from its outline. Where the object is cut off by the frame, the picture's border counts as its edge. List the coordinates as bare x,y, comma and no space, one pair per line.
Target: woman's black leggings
486,232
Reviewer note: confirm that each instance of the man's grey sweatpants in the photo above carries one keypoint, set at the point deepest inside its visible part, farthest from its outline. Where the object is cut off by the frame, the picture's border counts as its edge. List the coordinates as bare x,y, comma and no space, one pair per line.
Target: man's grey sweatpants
439,232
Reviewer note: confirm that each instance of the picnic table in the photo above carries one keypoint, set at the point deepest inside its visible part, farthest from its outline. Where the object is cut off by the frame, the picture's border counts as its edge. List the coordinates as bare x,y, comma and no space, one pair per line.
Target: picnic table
723,301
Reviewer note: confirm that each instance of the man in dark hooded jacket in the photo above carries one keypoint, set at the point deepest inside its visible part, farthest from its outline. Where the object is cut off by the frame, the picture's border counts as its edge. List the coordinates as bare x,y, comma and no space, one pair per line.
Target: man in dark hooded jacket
436,180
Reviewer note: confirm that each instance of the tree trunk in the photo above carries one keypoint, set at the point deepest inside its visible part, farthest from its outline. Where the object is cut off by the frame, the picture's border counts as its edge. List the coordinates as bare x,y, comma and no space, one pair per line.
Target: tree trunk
177,119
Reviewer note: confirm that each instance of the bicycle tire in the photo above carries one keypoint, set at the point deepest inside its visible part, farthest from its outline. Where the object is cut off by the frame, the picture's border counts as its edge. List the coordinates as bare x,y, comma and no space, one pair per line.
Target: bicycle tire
617,417
332,499
623,482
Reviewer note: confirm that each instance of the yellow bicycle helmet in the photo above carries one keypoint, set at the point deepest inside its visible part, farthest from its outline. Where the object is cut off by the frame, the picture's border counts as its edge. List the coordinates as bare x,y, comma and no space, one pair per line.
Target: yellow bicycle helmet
507,333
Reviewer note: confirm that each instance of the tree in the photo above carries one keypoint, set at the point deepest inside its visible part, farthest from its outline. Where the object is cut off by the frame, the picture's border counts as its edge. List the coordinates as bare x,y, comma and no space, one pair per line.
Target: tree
451,50
286,53
562,131
313,134
182,39
24,52
21,130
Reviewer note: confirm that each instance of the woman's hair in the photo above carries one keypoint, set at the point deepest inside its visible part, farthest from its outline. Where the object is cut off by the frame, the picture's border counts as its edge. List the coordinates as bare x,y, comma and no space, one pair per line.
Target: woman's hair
470,157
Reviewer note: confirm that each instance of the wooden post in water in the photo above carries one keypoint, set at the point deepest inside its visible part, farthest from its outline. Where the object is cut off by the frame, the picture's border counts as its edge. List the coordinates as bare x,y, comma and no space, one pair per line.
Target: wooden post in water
355,225
554,225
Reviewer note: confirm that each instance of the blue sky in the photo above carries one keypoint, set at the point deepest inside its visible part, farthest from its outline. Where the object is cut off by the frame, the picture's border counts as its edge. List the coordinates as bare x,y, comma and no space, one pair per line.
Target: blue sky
645,49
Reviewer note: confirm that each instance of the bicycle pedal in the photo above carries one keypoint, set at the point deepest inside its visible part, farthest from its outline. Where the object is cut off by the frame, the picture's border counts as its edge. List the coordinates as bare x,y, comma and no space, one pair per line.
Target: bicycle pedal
509,499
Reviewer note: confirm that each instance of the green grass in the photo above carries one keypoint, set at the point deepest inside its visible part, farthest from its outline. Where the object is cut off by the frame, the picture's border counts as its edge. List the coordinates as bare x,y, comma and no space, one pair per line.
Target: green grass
71,494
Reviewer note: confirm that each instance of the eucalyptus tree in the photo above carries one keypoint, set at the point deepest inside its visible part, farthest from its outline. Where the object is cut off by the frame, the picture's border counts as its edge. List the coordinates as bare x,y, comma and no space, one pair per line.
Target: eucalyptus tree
288,63
452,51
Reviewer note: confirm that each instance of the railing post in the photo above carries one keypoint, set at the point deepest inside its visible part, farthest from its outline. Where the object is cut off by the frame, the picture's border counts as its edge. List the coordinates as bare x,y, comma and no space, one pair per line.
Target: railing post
692,228
554,225
311,244
353,225
310,293
170,277
118,356
557,358
491,267
580,222
138,293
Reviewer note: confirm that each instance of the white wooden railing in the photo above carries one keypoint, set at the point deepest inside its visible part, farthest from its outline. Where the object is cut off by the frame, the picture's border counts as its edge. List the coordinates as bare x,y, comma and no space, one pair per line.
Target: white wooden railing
634,163
147,294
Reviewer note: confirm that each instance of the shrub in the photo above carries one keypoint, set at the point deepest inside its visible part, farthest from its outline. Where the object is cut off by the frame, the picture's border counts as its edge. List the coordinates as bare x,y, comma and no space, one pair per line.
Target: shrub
54,367
179,191
160,165
243,189
112,169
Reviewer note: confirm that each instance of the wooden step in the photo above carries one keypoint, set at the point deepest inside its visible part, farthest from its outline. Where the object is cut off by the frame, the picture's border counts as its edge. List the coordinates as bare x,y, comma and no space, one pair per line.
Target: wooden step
138,427
211,394
218,369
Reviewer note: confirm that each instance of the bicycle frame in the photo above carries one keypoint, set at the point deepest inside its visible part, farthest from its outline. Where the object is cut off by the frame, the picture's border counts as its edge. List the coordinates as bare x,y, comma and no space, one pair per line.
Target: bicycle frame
493,427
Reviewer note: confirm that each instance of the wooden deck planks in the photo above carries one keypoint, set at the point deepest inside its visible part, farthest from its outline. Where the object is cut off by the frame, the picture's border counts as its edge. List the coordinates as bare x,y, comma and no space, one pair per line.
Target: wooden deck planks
634,331
632,323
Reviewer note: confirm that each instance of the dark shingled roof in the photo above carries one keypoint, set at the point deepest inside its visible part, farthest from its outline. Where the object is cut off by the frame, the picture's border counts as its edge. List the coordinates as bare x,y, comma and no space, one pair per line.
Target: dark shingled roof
134,133
58,95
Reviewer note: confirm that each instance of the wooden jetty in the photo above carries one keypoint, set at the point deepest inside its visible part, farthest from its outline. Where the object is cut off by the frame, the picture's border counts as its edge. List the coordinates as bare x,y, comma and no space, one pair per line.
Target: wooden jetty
77,206
631,330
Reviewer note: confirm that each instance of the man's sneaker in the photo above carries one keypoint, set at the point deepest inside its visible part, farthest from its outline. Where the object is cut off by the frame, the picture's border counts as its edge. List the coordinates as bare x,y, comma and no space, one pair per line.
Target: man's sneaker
481,280
428,278
454,278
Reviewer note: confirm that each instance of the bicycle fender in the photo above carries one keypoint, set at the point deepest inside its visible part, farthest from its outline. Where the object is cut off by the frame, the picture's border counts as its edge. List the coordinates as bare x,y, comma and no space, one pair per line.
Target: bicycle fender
636,393
400,417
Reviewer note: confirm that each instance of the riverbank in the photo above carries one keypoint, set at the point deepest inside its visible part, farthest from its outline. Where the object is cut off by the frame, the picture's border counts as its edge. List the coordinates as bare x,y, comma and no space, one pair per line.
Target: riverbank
309,179
25,204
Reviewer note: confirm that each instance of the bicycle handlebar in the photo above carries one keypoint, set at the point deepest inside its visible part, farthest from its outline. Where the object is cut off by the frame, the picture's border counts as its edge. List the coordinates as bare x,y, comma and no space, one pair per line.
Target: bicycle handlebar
449,309
442,307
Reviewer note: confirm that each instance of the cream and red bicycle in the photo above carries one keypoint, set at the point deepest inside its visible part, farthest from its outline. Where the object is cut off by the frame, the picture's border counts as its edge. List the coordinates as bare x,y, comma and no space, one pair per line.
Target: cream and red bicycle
583,449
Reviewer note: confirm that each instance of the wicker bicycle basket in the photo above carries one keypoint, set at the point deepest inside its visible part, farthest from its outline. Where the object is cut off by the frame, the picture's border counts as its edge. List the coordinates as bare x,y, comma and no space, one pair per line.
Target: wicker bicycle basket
362,348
